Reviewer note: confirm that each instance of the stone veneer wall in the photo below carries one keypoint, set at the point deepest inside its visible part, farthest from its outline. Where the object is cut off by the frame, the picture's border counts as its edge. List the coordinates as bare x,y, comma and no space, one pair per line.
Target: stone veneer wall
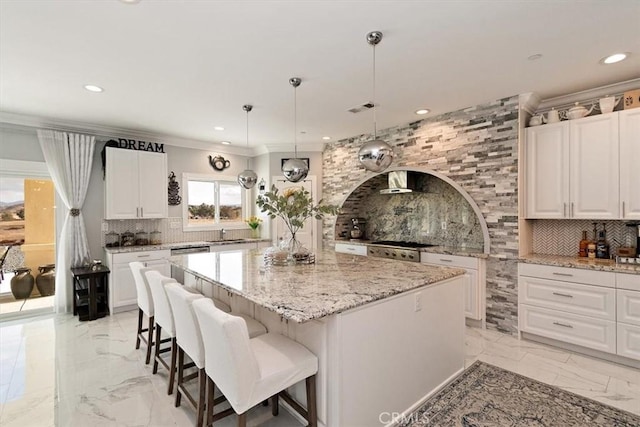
478,149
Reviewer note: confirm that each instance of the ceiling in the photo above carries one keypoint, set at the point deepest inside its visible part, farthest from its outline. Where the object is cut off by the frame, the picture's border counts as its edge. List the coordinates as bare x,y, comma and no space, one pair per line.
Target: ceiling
179,68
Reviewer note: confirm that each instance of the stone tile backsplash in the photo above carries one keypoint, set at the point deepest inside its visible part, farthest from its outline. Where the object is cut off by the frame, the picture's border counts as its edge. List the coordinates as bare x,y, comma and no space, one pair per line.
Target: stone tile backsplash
171,229
562,236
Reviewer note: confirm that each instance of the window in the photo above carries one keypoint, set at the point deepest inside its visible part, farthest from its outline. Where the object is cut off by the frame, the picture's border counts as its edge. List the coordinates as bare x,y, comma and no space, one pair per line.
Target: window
212,203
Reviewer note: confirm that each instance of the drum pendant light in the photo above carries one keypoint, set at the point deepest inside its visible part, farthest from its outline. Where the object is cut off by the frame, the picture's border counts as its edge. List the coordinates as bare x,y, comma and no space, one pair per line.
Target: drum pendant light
295,169
375,155
247,178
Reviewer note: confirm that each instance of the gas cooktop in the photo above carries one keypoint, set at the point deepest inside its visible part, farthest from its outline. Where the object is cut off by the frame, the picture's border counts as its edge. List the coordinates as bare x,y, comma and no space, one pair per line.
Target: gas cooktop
402,244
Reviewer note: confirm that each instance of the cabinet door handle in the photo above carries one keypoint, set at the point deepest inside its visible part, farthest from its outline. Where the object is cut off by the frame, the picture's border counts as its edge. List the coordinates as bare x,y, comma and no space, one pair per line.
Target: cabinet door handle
564,325
144,256
562,295
571,212
563,274
137,212
141,212
445,260
564,209
350,249
622,209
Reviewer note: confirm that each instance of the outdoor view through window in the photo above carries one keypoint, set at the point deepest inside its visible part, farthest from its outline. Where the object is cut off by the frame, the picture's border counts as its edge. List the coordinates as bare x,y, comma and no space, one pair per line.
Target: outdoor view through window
214,202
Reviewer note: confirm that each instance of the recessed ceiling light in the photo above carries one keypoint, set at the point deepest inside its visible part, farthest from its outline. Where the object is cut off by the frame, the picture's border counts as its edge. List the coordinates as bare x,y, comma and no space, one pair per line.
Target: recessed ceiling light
130,1
534,56
612,59
422,111
326,138
218,128
93,88
225,143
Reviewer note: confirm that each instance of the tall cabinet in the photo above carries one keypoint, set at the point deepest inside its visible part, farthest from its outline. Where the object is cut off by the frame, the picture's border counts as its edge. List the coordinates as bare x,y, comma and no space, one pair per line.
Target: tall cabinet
135,184
584,168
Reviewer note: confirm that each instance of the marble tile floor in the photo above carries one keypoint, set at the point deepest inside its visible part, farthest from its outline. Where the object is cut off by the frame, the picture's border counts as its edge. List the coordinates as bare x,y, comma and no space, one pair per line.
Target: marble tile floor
56,371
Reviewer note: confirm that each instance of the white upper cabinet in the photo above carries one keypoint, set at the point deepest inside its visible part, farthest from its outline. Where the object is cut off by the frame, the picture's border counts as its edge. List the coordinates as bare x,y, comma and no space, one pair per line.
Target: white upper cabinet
583,168
547,171
594,167
135,184
630,164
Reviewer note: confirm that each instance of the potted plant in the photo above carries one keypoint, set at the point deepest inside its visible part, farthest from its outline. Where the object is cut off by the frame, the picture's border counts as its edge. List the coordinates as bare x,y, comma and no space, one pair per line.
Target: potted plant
254,222
294,206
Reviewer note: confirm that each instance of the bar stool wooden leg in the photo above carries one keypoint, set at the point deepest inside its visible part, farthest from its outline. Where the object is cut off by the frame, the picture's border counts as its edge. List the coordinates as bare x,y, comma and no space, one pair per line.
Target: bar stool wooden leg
149,341
312,411
157,346
172,368
180,375
242,420
211,387
202,383
139,328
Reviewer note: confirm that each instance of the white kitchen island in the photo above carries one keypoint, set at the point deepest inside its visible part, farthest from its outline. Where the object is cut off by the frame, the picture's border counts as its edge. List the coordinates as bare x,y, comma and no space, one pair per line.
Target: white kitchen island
387,333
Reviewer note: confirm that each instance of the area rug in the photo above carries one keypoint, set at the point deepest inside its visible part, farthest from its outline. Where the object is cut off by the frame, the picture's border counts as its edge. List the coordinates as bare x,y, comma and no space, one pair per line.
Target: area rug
485,395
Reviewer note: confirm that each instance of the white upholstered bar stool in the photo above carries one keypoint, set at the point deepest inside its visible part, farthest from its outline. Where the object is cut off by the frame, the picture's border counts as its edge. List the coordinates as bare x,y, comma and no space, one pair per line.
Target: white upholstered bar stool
145,307
189,340
248,371
163,322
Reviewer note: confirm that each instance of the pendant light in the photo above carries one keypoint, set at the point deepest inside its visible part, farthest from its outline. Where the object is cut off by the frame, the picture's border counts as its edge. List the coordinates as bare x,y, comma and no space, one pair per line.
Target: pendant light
295,169
375,155
247,178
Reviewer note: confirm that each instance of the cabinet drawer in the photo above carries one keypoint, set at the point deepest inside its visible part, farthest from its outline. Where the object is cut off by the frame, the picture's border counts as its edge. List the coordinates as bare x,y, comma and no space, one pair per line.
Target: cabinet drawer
449,260
351,249
574,275
575,298
598,334
629,341
141,256
628,281
628,306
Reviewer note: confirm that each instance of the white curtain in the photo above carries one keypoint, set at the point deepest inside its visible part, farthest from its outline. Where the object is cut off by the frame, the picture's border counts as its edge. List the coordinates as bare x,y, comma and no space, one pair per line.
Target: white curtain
69,157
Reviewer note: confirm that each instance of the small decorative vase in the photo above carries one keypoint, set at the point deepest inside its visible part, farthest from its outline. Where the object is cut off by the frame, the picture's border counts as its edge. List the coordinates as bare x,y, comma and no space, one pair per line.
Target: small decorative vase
46,280
255,233
22,283
297,253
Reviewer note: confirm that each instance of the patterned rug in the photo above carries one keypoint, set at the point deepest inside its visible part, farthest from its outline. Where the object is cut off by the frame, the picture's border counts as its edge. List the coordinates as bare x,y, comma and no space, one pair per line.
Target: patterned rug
488,396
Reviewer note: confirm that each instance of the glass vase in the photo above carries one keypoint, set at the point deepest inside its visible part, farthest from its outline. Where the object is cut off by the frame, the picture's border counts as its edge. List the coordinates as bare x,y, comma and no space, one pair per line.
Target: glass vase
297,253
255,233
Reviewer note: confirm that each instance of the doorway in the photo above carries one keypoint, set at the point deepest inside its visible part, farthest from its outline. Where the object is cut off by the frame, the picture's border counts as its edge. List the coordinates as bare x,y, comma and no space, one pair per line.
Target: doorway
27,239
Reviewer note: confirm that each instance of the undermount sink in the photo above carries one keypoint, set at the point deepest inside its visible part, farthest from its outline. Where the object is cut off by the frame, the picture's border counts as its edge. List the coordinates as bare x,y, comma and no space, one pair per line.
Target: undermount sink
213,242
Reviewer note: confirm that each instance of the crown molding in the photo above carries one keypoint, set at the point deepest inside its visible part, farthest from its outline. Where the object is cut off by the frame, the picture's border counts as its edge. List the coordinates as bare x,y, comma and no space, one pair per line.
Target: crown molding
27,123
586,95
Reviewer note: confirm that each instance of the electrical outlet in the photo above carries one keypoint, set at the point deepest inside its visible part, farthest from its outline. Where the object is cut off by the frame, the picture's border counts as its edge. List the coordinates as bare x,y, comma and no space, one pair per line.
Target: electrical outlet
138,226
443,225
418,302
105,226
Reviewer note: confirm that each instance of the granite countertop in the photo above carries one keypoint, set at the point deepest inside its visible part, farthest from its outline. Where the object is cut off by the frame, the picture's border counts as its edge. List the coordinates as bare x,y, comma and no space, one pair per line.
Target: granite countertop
584,263
335,283
448,250
124,249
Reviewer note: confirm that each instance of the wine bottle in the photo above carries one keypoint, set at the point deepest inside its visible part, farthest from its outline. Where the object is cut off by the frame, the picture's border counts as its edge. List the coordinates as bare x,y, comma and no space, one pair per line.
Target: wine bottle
584,243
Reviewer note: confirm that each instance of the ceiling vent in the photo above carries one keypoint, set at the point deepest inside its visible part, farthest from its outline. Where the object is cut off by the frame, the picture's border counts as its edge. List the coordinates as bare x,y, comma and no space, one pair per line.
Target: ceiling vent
361,108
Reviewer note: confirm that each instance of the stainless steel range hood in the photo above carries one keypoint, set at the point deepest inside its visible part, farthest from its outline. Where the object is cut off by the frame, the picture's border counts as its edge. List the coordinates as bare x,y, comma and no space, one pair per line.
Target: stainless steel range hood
401,182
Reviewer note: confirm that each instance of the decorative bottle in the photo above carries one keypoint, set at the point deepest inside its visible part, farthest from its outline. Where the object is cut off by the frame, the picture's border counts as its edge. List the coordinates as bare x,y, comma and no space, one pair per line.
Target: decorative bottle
584,243
602,246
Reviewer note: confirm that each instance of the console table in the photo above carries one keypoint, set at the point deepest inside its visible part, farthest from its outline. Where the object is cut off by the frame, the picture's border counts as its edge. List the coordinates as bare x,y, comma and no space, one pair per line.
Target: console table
90,292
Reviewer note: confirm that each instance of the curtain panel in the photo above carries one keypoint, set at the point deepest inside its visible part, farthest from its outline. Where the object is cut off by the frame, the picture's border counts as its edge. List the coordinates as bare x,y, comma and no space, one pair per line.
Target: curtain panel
69,158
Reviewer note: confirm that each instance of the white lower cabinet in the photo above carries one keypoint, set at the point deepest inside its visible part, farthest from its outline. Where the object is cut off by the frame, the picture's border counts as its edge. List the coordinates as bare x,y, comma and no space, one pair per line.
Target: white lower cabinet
628,313
122,288
474,281
593,309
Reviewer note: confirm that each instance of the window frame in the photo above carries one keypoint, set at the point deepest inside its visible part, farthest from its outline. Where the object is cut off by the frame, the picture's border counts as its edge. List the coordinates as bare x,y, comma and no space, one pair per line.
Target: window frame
216,180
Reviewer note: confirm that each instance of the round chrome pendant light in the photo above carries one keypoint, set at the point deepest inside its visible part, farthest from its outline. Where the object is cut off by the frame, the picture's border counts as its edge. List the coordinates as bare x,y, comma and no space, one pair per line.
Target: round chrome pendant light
247,178
295,170
375,155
